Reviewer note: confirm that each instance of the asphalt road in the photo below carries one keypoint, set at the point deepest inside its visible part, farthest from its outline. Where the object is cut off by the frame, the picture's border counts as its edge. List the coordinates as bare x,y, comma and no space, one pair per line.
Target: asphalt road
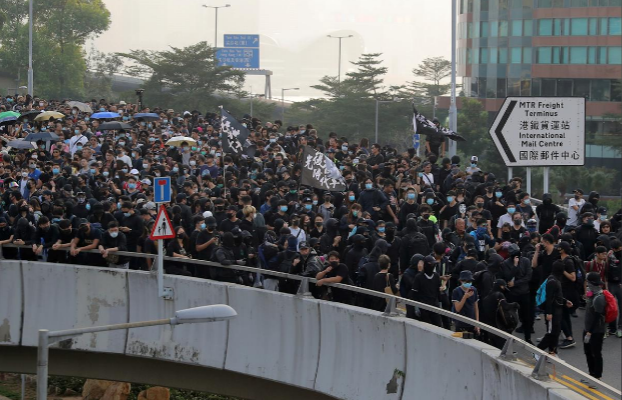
612,351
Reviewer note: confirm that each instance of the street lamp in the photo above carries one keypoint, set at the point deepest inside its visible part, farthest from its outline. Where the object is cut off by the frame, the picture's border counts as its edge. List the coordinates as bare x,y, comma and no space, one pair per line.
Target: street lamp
139,94
30,71
252,96
216,21
453,112
283,102
339,59
213,313
378,102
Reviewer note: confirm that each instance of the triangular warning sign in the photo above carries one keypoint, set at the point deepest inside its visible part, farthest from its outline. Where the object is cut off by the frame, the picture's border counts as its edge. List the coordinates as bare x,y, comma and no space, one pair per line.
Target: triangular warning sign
163,228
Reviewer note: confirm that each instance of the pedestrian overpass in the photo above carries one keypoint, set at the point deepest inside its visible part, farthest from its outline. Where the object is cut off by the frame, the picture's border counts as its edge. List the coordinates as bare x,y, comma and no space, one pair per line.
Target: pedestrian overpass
279,347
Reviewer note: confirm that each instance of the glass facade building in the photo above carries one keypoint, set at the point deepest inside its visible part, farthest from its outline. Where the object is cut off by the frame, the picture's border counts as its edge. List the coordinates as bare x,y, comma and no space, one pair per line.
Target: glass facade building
542,48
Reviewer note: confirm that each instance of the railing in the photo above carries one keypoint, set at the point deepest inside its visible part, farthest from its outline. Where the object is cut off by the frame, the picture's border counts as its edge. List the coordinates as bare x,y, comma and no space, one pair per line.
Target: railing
516,350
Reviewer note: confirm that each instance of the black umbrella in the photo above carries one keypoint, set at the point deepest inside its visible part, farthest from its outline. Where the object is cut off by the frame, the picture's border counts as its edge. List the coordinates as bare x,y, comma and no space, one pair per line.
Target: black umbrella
29,115
43,136
114,126
21,144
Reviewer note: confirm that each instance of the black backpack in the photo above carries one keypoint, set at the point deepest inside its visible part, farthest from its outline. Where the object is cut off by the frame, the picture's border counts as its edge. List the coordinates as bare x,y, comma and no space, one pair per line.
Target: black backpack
507,316
416,243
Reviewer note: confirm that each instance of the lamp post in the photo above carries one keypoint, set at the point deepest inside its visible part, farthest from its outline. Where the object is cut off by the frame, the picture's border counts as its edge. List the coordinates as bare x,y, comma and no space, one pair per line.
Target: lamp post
252,96
216,21
139,94
378,102
213,313
339,59
283,102
453,111
30,71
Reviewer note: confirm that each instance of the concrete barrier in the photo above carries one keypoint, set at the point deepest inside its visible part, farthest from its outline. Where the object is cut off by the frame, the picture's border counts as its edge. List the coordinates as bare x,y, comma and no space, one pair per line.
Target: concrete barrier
279,347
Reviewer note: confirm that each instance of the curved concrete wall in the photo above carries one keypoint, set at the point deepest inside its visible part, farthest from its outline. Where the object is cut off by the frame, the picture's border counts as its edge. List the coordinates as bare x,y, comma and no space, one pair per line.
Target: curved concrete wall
318,348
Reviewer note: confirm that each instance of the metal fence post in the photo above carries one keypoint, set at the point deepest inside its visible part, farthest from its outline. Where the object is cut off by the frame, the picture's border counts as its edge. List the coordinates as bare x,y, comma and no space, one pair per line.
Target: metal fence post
390,311
539,371
507,353
303,289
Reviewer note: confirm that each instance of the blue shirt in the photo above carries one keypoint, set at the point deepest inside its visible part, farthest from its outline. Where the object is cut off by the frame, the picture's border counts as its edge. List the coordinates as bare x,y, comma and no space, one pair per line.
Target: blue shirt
468,310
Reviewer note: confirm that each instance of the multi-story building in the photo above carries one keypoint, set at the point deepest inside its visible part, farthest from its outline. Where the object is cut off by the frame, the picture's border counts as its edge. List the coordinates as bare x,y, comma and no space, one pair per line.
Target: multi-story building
543,48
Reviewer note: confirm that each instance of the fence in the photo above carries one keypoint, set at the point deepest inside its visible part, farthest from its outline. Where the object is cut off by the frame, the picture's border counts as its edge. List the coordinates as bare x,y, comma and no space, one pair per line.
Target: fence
515,349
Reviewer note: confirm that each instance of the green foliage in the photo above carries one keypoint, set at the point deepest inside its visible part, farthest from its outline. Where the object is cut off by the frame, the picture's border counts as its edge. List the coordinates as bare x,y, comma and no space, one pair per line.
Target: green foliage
349,108
102,67
9,393
188,77
60,28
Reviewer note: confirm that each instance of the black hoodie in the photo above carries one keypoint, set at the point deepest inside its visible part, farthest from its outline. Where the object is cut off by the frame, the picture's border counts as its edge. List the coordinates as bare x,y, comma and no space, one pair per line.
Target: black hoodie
546,213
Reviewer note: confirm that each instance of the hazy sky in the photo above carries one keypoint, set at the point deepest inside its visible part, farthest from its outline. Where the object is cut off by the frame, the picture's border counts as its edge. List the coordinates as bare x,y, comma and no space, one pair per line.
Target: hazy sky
406,31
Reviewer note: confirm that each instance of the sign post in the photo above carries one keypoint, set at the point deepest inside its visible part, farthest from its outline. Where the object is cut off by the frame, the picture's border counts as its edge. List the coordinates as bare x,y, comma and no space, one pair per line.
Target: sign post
239,51
540,132
162,229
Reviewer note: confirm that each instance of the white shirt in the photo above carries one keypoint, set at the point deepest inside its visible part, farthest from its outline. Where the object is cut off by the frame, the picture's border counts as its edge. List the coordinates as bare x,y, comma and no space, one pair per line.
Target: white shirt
573,215
503,219
73,142
300,235
428,179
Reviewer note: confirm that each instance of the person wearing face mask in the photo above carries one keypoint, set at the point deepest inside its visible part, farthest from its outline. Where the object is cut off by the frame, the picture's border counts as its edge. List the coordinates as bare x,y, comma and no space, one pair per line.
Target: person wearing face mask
372,200
465,301
492,305
408,206
6,236
78,140
517,272
426,289
546,213
427,226
178,248
227,254
114,240
586,234
553,306
524,206
518,227
206,243
327,209
595,325
614,284
507,218
24,235
335,272
87,238
231,221
45,237
132,225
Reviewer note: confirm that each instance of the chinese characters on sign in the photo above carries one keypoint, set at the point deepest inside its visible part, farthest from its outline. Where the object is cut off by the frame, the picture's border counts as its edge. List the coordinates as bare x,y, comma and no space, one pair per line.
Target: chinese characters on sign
320,172
541,131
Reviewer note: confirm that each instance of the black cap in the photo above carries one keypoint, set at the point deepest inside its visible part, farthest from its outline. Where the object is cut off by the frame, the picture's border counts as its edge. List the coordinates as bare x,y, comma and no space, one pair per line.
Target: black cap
303,245
594,278
82,221
578,190
566,247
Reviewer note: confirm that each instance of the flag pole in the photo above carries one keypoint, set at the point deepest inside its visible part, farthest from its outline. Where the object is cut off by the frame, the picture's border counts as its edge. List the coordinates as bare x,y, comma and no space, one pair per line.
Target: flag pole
222,155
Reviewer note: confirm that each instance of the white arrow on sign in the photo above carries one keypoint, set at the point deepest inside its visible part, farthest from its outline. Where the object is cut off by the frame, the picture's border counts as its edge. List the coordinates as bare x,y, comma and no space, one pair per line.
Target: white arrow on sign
541,131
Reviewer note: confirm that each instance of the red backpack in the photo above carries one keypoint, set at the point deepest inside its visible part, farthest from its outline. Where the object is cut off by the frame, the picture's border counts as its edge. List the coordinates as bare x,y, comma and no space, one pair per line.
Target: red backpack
611,309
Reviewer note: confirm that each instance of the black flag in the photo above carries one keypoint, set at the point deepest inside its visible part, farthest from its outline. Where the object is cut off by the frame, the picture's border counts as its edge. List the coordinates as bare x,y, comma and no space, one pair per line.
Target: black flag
234,134
320,172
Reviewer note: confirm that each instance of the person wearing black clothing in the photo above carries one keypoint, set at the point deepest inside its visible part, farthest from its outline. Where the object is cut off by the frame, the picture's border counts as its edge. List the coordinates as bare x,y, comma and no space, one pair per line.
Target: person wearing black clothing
86,239
489,309
199,225
484,280
517,230
335,272
227,254
66,234
331,240
114,240
178,248
354,253
382,280
595,326
426,289
24,234
231,221
100,216
546,213
186,212
435,141
6,236
469,263
132,226
205,245
553,308
45,237
517,271
569,292
614,284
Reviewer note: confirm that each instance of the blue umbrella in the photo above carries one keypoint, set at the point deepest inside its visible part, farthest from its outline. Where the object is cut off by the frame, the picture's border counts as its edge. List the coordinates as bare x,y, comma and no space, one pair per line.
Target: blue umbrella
8,120
102,115
147,116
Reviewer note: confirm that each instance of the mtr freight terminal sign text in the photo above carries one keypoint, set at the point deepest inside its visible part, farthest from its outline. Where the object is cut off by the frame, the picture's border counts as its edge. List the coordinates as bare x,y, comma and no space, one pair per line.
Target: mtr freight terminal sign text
541,131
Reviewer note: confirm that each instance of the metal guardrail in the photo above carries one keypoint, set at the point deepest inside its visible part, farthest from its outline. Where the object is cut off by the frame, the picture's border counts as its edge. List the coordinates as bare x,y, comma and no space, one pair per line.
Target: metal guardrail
544,366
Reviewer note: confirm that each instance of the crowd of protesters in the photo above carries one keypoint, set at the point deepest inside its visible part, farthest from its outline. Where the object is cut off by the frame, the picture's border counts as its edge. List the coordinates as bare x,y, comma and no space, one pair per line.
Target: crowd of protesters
429,228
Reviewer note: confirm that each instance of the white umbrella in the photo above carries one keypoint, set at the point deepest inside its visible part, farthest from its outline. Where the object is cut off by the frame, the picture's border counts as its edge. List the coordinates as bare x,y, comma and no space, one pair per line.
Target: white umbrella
178,140
80,106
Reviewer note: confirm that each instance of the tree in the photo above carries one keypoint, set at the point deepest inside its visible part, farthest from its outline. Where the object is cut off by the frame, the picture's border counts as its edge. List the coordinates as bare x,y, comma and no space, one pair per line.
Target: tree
101,68
434,69
60,29
189,77
349,106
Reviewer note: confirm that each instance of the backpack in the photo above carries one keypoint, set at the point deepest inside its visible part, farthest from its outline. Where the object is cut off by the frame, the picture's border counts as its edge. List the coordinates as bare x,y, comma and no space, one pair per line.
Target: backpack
611,309
507,316
416,243
541,293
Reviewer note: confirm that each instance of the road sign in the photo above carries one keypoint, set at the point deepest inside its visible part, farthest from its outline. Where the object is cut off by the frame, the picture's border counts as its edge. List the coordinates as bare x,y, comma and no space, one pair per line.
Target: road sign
238,57
541,131
163,228
250,41
162,189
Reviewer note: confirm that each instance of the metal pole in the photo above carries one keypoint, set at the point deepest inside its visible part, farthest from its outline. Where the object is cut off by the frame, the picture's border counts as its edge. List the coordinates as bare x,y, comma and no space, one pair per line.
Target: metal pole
546,179
529,180
160,266
23,387
251,104
509,174
283,105
30,71
42,365
339,63
377,103
216,29
453,112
